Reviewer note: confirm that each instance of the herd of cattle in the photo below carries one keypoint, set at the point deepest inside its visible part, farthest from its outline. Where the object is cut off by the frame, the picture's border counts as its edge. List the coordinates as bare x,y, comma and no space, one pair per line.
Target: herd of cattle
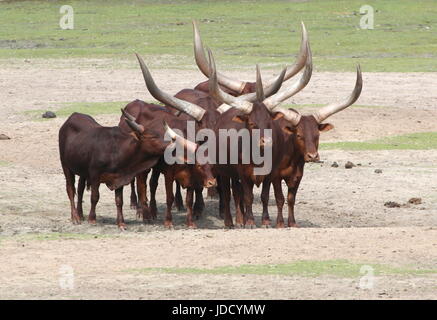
126,154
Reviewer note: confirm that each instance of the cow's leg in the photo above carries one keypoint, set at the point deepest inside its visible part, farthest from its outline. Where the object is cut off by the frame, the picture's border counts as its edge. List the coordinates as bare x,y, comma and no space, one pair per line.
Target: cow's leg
226,194
170,198
133,196
71,190
199,204
119,203
239,211
221,199
179,203
80,190
189,205
95,195
143,211
279,196
153,186
293,186
248,201
265,195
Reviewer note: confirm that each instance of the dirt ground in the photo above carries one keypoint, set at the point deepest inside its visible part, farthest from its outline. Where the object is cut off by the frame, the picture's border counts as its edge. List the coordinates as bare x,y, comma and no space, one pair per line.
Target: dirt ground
341,211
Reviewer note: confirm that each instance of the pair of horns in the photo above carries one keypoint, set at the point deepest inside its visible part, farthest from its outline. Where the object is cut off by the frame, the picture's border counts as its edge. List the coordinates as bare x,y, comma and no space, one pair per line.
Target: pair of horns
272,103
244,104
237,85
326,111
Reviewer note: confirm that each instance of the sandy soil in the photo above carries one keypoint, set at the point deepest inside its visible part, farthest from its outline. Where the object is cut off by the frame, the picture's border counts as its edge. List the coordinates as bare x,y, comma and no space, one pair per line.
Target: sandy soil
341,211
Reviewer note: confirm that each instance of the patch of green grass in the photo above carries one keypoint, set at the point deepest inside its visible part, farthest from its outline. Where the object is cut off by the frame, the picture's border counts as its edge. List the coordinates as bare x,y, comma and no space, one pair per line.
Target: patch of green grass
310,268
241,33
413,141
90,108
4,163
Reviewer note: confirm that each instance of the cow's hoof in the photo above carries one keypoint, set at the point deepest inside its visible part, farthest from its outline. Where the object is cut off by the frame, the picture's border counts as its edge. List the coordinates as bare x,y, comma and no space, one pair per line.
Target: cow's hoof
192,226
133,206
122,227
239,225
280,225
92,222
266,226
76,221
293,225
168,225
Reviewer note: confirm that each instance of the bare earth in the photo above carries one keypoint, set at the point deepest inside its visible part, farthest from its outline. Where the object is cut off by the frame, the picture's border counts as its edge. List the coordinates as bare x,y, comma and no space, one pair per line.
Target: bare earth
341,212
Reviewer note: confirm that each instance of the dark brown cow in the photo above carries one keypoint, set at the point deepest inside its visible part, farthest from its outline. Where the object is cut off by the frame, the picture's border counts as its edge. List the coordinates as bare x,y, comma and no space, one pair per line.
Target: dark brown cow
248,115
301,134
190,176
237,87
107,155
205,118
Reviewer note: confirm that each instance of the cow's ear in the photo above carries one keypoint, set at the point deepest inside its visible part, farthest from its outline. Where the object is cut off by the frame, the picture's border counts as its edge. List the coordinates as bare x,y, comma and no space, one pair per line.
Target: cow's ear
288,130
240,118
278,115
325,127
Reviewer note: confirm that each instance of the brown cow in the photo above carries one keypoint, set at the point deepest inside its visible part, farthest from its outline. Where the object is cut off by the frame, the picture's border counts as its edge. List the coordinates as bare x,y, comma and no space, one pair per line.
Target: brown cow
107,155
205,118
248,115
301,134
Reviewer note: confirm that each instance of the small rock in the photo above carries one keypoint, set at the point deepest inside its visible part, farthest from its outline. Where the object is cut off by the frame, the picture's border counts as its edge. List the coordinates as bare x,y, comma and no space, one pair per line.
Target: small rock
49,114
334,164
4,137
415,201
349,165
141,229
392,204
378,171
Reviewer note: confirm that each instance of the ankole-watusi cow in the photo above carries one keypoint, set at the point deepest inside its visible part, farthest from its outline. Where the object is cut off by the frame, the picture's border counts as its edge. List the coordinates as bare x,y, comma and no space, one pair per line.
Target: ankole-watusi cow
190,176
237,87
107,155
204,118
301,134
250,116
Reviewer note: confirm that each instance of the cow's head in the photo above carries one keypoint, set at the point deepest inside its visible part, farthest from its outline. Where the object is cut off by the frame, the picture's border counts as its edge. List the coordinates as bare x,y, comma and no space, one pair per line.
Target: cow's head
252,113
202,172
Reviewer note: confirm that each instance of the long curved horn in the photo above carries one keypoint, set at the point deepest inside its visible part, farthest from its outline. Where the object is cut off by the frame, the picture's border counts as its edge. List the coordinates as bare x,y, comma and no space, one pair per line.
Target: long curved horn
268,91
219,94
130,120
297,86
190,145
301,58
202,63
330,109
259,85
237,85
189,108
